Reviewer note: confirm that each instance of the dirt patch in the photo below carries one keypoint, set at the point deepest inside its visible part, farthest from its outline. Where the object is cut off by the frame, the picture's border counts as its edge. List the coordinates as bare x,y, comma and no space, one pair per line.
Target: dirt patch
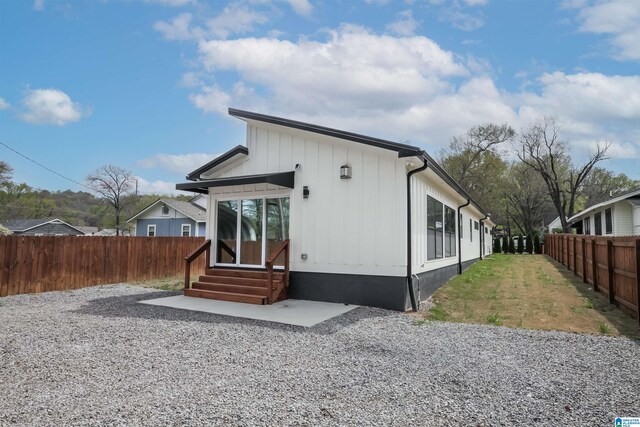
528,291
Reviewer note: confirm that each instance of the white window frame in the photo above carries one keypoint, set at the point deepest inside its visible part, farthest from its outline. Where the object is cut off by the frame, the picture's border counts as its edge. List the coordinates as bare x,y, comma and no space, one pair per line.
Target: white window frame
188,230
155,230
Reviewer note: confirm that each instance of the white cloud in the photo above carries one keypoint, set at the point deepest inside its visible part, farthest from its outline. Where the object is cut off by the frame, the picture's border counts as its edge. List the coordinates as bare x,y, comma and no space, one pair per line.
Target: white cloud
404,25
172,3
38,5
301,7
211,99
179,163
235,19
476,2
51,106
191,79
179,28
407,89
618,18
462,20
4,104
157,187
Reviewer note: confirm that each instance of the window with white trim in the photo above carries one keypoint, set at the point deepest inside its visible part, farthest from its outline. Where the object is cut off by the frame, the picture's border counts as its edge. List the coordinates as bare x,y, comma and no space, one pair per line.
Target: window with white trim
186,230
608,224
165,210
151,230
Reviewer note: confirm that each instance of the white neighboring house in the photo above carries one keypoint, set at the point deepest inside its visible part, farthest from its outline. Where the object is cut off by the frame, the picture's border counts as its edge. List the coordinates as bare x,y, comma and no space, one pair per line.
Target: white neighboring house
370,221
167,217
555,225
619,216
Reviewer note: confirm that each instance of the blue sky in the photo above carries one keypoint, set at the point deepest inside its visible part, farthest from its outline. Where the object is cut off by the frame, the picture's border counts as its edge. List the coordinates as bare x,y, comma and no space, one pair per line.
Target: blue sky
145,84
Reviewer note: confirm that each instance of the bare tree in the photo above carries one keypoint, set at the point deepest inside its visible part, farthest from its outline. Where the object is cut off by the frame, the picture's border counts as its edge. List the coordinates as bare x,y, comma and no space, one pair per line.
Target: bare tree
114,184
541,149
474,160
526,197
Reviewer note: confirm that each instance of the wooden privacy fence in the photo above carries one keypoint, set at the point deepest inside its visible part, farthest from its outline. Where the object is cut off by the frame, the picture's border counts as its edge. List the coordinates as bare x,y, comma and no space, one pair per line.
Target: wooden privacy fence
40,264
610,264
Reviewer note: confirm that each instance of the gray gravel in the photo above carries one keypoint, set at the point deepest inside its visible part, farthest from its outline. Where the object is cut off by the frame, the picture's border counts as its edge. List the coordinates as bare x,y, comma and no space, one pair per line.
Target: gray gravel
96,357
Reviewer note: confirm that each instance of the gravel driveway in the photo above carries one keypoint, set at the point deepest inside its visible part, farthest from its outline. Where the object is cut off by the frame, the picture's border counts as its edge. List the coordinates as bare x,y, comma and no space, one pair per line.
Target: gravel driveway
96,357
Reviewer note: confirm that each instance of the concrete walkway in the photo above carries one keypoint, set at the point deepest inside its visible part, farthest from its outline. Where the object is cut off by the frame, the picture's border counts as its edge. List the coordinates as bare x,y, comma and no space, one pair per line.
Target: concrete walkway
291,311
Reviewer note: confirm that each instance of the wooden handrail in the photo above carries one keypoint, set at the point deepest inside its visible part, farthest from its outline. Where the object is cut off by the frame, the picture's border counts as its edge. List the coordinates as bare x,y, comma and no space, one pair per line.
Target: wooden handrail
283,247
205,247
222,246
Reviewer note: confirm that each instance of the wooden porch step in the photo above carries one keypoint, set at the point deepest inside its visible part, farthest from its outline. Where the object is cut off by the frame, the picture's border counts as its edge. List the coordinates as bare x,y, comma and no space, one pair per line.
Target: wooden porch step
232,280
226,287
226,296
249,274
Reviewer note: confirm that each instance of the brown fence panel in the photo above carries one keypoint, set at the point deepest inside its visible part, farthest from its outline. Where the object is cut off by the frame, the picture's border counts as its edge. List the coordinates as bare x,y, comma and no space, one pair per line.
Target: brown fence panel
40,264
610,264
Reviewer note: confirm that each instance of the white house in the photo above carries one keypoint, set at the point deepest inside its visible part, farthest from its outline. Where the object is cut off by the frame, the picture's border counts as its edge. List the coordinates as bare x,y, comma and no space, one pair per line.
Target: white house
619,216
369,221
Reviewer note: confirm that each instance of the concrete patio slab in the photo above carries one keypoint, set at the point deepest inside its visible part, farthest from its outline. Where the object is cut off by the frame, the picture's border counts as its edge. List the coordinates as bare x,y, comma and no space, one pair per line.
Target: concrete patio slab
291,311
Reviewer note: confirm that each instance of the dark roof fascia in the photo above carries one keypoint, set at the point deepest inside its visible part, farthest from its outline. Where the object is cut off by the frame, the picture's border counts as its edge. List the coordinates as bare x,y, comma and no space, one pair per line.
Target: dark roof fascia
452,182
283,179
239,149
362,139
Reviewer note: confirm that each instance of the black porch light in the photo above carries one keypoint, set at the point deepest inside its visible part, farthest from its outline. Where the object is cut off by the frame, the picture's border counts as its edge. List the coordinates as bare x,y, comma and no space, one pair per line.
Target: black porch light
345,171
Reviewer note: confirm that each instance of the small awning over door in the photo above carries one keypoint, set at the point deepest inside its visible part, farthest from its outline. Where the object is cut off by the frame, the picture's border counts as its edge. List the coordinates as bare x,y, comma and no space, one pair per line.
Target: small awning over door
283,179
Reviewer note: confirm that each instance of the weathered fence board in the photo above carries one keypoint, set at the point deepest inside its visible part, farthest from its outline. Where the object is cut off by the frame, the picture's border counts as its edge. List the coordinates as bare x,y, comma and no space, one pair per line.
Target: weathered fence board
41,264
609,264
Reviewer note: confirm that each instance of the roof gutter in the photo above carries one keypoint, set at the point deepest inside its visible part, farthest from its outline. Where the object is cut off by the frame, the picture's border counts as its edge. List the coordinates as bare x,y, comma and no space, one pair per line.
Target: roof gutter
460,225
414,301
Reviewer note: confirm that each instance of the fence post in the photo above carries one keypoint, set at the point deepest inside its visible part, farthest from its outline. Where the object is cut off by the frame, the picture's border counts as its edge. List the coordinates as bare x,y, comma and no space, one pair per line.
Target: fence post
594,265
584,260
638,278
575,255
612,297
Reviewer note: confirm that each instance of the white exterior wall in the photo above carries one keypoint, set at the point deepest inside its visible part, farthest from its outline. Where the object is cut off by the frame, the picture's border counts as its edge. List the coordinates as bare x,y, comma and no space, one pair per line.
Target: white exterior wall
622,217
428,184
351,226
636,220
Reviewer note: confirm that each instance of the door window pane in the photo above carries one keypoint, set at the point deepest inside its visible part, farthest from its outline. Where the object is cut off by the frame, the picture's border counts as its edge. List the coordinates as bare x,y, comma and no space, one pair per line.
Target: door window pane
597,223
226,232
251,227
277,225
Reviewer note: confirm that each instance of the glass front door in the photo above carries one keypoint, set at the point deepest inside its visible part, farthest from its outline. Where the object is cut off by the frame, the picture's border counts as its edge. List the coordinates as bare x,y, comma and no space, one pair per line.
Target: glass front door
242,239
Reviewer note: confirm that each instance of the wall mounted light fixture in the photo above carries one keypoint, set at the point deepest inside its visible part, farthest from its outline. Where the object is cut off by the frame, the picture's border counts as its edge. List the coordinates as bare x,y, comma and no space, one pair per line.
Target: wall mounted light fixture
305,192
345,171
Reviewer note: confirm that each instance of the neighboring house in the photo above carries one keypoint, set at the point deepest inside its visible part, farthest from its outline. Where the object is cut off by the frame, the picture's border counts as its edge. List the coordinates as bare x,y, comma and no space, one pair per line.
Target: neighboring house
370,221
41,227
556,224
166,217
88,230
619,216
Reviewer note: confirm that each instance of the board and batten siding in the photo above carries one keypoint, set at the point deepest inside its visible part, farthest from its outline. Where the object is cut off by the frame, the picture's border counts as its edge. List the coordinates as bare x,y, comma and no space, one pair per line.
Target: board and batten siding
622,217
426,184
347,226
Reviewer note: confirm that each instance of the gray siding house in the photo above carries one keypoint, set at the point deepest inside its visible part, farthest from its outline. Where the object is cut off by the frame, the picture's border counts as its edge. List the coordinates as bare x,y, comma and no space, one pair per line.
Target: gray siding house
41,227
166,217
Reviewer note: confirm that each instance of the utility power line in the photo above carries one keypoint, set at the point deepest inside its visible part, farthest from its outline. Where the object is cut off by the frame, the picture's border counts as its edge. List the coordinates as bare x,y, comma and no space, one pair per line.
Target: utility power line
44,167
